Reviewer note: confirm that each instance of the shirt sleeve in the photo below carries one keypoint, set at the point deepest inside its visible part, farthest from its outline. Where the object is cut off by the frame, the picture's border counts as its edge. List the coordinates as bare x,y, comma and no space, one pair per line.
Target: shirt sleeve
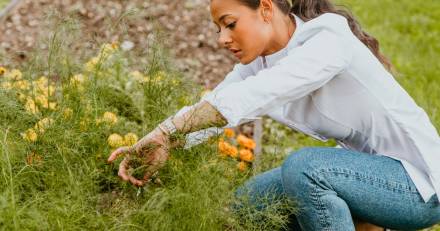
305,69
236,75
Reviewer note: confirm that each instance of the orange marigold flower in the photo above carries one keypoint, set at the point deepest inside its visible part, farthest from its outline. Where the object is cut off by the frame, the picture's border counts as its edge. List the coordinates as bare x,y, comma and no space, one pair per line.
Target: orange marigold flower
246,155
229,132
115,45
242,166
245,142
227,149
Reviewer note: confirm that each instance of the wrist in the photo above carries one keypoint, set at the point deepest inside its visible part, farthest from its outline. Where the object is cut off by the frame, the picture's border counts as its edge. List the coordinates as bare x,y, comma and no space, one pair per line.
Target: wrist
161,136
167,126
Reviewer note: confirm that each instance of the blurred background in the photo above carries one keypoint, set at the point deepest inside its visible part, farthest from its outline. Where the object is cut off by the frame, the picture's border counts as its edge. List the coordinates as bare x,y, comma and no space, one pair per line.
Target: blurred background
189,32
408,30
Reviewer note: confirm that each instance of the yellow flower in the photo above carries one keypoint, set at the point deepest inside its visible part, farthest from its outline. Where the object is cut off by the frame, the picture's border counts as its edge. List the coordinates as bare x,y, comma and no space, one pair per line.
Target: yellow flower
115,140
145,79
52,105
83,124
115,45
43,87
107,50
30,135
6,85
242,166
42,100
175,82
160,75
3,70
67,113
43,124
229,132
41,82
246,155
245,142
130,139
110,118
30,106
14,75
77,80
47,91
91,64
22,85
136,75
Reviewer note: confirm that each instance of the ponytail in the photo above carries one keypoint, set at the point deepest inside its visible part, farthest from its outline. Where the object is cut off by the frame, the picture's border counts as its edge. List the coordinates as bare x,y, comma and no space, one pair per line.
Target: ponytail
309,9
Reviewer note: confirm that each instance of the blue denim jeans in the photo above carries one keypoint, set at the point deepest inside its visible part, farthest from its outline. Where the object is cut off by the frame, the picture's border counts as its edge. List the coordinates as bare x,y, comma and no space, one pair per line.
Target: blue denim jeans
332,186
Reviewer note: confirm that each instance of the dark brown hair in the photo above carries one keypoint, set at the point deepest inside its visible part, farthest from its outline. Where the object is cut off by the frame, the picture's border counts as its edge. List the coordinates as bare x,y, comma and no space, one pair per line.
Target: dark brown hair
309,9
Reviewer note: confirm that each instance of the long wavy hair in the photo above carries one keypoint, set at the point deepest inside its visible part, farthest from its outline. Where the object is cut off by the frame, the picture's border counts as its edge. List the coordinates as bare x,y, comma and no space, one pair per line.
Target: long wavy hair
309,9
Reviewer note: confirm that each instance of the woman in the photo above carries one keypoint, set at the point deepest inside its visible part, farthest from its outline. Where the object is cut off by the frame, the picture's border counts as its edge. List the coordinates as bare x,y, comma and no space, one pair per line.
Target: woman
312,68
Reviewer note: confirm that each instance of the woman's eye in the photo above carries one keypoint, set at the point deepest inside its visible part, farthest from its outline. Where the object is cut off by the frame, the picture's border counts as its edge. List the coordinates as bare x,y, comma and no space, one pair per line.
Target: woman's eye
231,26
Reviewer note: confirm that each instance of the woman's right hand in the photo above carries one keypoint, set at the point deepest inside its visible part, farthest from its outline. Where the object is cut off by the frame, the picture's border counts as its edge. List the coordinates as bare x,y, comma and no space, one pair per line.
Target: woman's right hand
152,151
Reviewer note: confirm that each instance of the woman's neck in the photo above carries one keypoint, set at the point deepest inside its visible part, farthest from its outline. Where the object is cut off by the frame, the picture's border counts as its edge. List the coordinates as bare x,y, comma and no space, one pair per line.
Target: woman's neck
284,27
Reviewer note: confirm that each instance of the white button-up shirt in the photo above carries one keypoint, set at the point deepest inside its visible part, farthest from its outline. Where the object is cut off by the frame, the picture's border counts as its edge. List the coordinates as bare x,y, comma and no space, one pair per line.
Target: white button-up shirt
327,84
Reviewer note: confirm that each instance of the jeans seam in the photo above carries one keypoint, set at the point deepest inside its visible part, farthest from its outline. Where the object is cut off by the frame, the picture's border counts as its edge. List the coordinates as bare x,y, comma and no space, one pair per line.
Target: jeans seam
383,183
323,217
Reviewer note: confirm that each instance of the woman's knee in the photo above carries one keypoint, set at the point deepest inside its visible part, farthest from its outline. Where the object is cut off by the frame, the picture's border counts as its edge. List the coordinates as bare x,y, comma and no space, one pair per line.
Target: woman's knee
299,165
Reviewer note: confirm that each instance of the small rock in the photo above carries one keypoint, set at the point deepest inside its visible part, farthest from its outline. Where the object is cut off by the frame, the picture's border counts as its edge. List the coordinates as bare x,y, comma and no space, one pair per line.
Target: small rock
127,45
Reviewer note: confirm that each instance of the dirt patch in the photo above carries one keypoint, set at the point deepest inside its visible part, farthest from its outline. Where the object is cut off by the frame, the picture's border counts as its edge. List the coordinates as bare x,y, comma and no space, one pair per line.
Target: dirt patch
186,23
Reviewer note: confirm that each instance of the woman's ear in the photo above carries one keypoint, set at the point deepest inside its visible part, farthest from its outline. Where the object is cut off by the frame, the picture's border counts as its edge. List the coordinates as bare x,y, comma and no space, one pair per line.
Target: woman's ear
266,9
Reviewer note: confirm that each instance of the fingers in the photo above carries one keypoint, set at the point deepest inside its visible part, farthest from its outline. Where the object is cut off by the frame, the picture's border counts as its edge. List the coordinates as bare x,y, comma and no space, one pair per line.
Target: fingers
125,176
136,182
117,153
154,162
123,170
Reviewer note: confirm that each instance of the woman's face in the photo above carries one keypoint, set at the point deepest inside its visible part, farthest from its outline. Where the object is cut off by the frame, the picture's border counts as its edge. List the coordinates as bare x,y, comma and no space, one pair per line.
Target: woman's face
241,29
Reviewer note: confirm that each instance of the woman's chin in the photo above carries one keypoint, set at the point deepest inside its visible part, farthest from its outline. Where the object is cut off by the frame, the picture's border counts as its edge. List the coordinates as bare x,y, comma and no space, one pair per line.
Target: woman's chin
246,60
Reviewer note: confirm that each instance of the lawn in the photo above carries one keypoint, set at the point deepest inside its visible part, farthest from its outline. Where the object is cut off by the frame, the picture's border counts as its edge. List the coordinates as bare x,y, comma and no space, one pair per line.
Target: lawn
58,113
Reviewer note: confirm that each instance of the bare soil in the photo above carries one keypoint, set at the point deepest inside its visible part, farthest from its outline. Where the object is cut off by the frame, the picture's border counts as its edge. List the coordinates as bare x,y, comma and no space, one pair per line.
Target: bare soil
186,24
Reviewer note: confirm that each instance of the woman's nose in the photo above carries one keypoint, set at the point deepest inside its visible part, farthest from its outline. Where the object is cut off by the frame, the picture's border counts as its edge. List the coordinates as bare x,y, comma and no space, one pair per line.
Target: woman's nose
224,38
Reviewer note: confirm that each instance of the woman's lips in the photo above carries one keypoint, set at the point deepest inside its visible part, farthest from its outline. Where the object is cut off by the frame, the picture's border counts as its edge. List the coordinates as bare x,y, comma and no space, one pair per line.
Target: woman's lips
237,53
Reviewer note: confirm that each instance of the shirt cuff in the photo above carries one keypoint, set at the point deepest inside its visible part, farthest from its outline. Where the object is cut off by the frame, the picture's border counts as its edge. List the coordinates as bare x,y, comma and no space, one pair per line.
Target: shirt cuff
201,136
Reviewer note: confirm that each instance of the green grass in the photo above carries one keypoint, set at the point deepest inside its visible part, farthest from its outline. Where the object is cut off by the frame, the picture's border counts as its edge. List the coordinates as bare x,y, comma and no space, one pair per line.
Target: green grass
3,3
72,188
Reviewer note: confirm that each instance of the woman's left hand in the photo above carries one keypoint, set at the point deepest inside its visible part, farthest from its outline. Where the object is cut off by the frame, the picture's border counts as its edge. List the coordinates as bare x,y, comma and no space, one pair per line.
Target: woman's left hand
152,151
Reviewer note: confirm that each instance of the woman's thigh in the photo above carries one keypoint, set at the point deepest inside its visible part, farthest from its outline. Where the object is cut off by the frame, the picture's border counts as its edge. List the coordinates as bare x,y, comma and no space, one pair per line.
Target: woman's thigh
376,188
